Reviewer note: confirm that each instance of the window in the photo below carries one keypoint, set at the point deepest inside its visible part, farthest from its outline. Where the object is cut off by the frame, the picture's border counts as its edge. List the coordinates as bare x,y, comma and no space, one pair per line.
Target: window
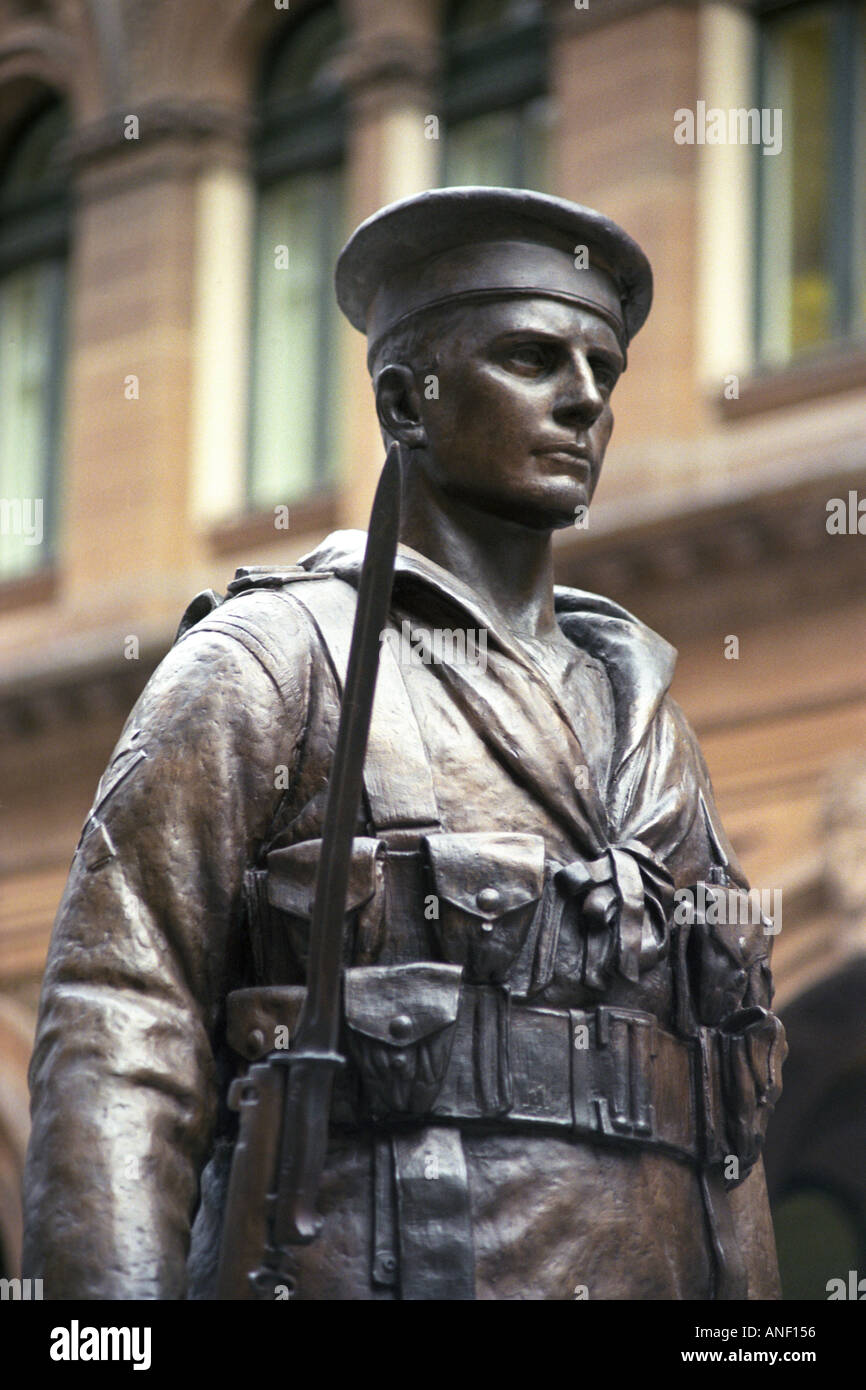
497,114
298,159
812,213
33,237
819,1237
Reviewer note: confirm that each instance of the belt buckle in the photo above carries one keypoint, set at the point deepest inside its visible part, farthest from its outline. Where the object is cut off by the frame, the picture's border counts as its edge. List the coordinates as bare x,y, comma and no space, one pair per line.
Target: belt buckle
627,1039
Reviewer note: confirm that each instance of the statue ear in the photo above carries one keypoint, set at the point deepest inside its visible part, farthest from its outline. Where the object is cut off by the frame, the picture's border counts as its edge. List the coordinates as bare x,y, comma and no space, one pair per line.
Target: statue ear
398,405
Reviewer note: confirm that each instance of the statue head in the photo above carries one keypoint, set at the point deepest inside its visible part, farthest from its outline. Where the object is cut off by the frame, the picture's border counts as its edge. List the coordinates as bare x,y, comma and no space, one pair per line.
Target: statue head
498,323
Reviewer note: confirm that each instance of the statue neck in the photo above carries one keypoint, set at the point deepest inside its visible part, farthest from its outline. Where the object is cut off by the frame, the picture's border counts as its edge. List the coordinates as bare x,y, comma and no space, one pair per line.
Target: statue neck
509,566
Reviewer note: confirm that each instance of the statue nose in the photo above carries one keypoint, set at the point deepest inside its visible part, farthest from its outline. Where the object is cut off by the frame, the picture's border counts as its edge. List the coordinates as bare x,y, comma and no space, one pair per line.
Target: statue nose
579,397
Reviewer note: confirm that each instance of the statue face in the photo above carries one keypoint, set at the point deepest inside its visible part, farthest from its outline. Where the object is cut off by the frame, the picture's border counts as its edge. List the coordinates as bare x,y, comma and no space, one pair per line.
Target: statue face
523,415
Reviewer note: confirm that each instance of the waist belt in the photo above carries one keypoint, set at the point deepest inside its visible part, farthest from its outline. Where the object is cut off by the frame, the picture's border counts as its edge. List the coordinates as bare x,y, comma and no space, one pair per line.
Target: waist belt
607,1074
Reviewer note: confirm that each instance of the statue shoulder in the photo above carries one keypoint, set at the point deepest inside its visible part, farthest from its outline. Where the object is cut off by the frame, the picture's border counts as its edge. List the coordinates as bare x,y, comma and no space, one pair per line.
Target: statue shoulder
254,614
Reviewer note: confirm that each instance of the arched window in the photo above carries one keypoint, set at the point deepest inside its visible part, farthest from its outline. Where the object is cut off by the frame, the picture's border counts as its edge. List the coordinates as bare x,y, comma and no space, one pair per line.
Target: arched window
33,238
299,145
495,104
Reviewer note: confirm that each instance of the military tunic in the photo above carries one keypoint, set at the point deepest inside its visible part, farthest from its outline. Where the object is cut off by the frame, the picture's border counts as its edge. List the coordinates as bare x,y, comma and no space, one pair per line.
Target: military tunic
224,761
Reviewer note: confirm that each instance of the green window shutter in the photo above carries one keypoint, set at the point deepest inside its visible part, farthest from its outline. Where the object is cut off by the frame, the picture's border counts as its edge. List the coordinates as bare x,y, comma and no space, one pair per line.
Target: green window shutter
34,210
494,99
298,159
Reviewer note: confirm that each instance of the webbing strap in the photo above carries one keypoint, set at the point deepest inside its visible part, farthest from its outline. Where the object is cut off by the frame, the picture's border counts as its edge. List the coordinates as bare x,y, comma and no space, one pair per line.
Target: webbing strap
730,1275
436,1249
397,776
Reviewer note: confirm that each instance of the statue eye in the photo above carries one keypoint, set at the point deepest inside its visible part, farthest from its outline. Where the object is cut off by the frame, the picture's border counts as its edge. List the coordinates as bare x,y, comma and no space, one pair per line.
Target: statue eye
605,375
529,358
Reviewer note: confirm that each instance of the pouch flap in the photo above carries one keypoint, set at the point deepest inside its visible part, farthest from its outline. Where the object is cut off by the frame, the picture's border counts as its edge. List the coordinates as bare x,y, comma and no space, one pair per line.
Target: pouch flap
292,875
253,1016
487,874
401,1004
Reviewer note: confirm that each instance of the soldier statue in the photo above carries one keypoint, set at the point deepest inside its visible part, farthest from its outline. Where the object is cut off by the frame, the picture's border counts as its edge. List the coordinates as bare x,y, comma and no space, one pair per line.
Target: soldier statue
526,1056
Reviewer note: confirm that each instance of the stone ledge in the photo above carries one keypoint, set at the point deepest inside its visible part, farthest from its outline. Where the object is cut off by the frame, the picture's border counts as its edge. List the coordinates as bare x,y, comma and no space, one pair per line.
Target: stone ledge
567,18
830,373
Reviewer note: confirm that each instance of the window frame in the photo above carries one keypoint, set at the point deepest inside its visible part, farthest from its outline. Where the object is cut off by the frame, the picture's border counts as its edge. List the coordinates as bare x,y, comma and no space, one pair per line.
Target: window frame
38,229
846,42
491,70
305,132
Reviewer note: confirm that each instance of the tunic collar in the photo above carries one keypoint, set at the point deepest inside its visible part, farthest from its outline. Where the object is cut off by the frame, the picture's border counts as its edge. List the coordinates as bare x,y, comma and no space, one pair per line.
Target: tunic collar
639,663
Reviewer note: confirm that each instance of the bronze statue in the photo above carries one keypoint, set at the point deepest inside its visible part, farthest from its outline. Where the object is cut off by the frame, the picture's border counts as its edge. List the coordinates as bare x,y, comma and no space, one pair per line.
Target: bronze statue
559,1062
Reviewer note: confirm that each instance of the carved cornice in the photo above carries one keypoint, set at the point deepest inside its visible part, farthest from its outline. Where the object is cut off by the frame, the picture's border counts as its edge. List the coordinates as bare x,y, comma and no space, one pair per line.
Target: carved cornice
388,60
568,18
68,696
762,554
159,119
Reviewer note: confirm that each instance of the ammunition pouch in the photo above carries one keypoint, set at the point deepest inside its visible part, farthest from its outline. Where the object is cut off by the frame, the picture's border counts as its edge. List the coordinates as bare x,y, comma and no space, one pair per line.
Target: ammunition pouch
488,888
742,1081
489,902
279,907
400,1027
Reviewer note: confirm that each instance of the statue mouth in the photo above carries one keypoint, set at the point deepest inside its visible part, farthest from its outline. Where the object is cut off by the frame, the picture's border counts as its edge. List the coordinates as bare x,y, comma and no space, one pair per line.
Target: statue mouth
567,454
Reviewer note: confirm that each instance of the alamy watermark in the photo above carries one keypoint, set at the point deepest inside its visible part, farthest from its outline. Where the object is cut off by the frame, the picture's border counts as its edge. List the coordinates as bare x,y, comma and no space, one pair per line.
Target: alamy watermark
853,1288
739,125
846,518
77,1343
20,1290
730,907
437,646
22,516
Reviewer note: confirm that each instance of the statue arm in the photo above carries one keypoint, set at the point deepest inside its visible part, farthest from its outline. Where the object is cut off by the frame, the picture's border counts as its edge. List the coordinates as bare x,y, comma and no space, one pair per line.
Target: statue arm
123,1076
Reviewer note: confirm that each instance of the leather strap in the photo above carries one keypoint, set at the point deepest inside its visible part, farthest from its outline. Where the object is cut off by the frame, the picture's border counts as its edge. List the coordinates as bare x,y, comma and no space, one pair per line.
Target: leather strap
730,1276
385,1252
437,1254
397,775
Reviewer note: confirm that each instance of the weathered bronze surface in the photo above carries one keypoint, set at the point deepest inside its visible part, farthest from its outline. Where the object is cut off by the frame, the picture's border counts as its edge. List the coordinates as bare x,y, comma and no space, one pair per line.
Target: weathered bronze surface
558,1073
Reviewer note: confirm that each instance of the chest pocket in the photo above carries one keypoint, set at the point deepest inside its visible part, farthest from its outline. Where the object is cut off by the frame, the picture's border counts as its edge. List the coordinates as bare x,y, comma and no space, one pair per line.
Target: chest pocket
290,890
488,887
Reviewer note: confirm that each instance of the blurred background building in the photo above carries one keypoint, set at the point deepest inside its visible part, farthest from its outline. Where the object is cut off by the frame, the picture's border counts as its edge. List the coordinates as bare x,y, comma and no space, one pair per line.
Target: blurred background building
178,396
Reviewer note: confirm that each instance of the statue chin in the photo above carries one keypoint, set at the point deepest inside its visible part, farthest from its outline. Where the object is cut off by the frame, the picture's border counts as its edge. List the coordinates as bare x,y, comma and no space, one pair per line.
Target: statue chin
555,512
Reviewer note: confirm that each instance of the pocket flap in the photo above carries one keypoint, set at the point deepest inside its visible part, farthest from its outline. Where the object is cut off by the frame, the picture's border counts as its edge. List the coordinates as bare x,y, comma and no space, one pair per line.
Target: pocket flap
254,1015
487,874
401,1004
292,875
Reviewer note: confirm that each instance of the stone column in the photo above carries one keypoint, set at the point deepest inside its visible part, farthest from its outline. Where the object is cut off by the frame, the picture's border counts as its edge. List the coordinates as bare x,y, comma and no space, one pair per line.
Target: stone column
133,332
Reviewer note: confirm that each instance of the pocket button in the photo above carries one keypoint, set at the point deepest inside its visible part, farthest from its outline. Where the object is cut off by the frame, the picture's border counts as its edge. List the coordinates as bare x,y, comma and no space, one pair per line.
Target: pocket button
400,1027
489,900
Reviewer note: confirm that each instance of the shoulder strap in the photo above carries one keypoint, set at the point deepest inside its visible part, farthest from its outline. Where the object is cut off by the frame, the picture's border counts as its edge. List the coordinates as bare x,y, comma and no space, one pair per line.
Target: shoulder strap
398,778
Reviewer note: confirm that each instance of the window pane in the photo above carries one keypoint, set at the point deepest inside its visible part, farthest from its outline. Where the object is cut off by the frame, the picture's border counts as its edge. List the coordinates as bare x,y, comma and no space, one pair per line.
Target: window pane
306,62
472,16
798,307
293,422
537,120
29,312
816,1240
503,149
32,167
483,150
